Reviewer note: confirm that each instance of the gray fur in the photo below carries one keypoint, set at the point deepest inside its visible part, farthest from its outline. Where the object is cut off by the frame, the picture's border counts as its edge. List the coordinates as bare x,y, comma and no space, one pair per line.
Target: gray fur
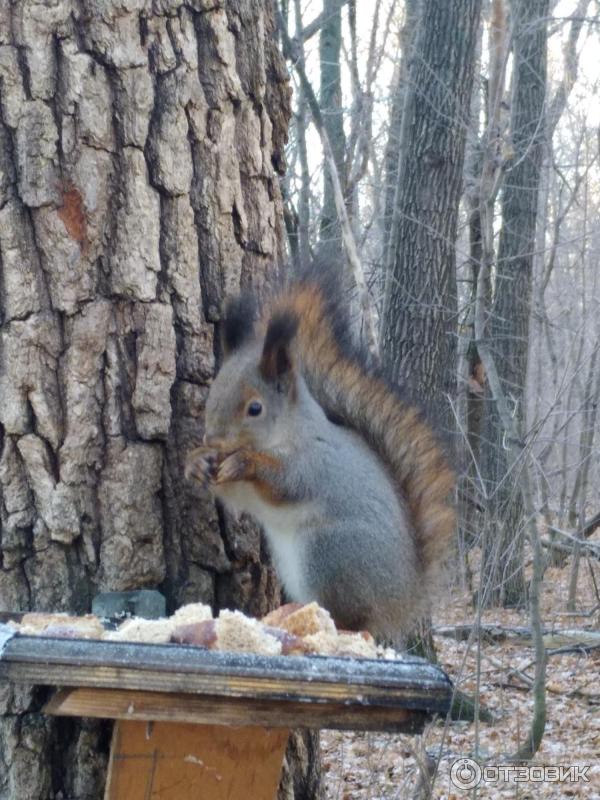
342,537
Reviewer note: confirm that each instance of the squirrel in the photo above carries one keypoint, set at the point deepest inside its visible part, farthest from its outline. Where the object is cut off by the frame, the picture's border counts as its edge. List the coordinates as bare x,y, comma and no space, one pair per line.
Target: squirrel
347,480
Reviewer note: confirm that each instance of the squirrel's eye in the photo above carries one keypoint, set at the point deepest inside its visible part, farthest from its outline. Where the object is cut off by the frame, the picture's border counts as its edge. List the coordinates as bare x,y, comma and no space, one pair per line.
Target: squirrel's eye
255,409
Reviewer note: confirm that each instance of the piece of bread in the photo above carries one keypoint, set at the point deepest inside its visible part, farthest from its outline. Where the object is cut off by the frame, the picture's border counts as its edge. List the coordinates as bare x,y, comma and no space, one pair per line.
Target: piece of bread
388,654
241,634
75,628
322,643
303,621
291,645
200,634
192,613
61,626
353,645
275,618
37,621
136,629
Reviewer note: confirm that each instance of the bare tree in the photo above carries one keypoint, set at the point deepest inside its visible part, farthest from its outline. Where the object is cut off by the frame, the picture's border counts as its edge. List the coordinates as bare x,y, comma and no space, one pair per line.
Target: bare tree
419,316
398,88
332,113
484,162
532,123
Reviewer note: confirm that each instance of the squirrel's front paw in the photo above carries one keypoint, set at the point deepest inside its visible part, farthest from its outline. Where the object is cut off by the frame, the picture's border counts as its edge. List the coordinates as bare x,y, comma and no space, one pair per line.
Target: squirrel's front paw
236,467
201,465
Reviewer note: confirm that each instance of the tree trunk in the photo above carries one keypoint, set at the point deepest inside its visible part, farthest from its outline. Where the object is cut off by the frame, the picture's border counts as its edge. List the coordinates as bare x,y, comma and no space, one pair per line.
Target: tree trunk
503,572
398,91
139,146
482,174
330,101
419,316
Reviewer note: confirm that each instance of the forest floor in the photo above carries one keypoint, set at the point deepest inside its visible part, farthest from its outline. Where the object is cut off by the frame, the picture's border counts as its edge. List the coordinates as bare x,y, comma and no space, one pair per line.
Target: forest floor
370,766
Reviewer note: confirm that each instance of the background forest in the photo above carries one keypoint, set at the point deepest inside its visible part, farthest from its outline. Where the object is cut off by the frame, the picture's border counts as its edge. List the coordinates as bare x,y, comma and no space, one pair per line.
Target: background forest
465,142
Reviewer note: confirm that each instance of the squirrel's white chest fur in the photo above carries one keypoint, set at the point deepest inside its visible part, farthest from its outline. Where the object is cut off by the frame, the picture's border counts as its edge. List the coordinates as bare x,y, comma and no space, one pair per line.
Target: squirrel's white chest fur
287,544
284,526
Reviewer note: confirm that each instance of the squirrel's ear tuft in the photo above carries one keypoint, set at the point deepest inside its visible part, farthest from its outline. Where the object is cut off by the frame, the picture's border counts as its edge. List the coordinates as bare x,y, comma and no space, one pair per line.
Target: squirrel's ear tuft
238,325
276,363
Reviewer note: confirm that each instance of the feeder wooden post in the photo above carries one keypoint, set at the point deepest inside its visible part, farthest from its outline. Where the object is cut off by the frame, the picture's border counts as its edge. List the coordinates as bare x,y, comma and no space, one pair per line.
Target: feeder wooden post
179,761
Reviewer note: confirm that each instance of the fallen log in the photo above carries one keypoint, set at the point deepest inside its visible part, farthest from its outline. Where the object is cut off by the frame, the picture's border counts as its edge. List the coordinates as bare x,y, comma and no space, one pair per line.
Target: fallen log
584,533
571,638
586,548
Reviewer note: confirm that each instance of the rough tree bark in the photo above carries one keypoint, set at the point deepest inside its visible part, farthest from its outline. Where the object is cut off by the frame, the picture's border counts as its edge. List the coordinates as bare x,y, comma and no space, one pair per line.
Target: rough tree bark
419,316
508,330
140,142
397,90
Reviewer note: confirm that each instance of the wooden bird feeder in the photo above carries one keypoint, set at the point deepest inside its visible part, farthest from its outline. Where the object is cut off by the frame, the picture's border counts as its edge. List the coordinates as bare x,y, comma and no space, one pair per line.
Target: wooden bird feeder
194,723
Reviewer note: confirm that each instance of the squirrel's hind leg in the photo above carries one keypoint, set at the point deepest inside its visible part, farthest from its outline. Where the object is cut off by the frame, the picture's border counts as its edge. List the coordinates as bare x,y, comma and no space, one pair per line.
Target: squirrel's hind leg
370,588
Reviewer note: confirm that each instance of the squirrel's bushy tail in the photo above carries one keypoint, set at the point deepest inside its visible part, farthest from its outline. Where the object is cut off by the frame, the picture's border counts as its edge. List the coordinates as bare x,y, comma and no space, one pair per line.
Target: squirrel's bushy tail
350,390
